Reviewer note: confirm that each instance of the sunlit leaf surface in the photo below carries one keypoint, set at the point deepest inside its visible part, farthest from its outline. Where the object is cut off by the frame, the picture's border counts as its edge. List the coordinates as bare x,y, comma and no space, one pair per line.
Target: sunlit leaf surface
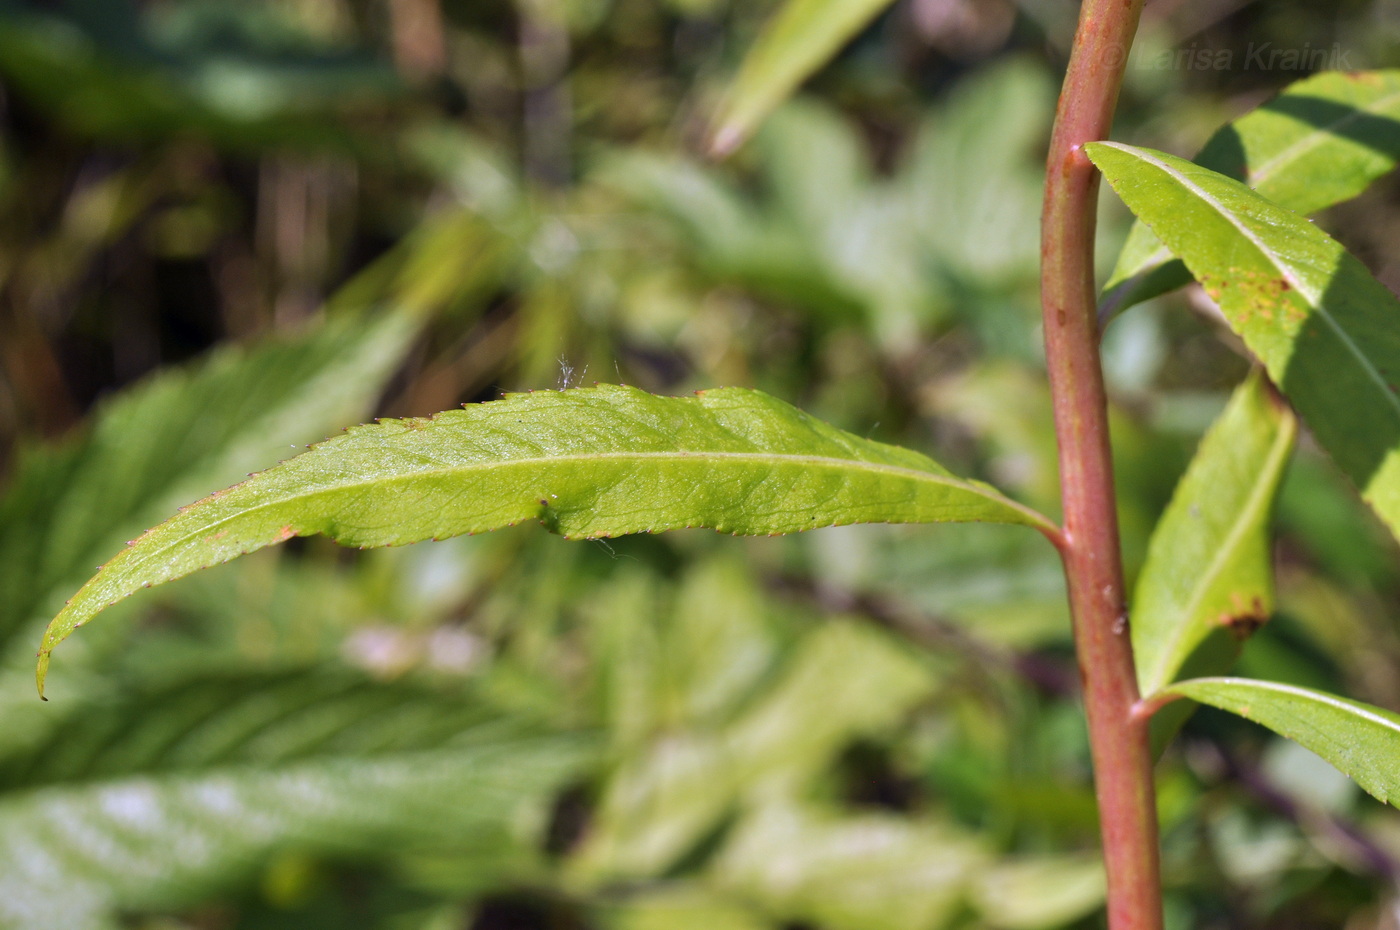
1326,330
1322,141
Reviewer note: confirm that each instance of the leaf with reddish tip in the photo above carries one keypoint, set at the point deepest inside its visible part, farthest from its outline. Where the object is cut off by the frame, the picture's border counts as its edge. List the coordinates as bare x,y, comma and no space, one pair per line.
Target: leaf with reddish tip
596,462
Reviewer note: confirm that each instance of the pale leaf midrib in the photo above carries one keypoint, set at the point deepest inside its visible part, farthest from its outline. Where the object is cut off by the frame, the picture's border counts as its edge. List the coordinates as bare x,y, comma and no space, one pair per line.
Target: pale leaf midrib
1317,697
1316,138
1035,519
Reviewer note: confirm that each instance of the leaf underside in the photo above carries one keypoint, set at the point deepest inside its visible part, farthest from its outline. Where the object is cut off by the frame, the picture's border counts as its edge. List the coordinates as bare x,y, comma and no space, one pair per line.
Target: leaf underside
1322,141
1326,330
153,799
1360,740
596,462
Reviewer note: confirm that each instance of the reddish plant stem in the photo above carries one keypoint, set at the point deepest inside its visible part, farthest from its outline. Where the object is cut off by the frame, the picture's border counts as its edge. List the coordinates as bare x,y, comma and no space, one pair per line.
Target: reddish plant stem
1090,547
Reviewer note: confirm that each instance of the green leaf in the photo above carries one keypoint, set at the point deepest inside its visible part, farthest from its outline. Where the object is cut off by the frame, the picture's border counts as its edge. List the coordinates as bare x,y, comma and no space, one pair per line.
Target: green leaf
801,38
1040,893
153,447
982,225
157,799
171,439
842,682
588,463
1360,740
1322,141
682,906
870,871
1327,331
1209,566
219,71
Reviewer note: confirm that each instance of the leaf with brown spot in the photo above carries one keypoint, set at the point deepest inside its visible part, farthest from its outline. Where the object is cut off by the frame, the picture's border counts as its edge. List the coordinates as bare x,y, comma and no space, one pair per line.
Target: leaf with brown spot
1209,563
1325,340
1322,141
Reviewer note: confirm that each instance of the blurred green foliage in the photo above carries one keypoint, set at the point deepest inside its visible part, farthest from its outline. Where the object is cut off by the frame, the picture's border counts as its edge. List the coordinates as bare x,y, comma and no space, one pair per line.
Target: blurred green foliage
230,228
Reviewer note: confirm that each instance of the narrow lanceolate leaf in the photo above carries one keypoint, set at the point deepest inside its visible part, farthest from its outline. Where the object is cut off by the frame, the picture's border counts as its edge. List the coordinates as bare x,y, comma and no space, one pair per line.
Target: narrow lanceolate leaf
597,462
1326,330
1209,567
1322,141
801,38
1360,740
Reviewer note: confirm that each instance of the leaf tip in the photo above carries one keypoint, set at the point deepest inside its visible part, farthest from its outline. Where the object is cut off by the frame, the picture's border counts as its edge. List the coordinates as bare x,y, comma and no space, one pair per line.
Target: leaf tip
726,138
41,670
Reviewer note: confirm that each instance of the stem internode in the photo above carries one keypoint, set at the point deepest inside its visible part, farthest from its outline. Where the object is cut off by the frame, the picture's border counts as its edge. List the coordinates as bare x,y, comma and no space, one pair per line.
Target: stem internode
1090,546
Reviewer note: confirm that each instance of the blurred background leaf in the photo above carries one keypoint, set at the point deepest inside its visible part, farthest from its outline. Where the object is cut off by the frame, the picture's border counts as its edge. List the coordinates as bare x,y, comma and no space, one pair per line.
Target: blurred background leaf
211,210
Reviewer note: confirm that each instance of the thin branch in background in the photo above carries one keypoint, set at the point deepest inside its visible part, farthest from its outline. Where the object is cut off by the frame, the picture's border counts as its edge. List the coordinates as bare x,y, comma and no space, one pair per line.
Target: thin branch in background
40,392
1044,673
418,38
545,50
471,365
295,207
1349,841
51,258
234,268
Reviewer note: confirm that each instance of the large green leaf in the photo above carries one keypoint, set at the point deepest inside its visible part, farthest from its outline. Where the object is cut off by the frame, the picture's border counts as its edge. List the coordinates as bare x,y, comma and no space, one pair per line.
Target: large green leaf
195,716
596,462
157,799
982,226
799,40
1320,142
1209,567
1326,330
1360,740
